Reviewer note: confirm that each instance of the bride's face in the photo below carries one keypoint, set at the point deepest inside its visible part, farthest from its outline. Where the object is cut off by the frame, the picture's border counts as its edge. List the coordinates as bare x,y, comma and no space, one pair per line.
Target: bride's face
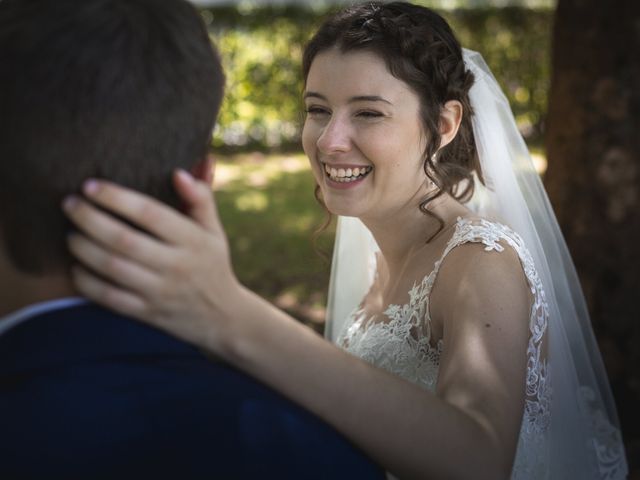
363,135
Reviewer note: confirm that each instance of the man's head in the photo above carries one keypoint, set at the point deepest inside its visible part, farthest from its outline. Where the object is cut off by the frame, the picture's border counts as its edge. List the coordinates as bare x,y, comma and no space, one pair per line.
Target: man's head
126,90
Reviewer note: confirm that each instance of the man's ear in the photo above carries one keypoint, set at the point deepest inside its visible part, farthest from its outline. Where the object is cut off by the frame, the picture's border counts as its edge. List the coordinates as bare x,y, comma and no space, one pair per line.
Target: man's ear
450,118
203,170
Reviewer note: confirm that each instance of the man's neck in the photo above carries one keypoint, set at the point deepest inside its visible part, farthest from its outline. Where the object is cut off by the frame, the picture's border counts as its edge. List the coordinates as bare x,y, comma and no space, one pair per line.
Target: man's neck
18,290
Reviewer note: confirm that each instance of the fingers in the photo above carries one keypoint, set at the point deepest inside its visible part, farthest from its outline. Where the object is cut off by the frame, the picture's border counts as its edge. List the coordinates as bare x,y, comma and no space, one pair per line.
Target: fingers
113,267
108,295
115,235
199,200
146,212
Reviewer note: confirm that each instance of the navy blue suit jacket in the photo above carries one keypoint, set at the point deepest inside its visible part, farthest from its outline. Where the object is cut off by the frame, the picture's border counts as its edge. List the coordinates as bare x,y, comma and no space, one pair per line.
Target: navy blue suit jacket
86,393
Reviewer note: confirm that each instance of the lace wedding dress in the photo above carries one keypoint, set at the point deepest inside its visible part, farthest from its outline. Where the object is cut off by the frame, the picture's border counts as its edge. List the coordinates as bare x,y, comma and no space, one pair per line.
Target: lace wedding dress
403,345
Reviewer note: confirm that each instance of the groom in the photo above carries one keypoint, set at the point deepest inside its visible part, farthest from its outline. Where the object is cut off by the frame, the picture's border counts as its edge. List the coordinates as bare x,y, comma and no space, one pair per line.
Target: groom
126,90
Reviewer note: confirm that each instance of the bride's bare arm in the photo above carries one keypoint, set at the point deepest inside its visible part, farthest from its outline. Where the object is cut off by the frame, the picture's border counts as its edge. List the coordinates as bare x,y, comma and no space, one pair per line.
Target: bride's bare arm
181,280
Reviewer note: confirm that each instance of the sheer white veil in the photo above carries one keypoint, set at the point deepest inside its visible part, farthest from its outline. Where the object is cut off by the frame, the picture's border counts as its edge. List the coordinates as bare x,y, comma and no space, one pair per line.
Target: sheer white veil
584,439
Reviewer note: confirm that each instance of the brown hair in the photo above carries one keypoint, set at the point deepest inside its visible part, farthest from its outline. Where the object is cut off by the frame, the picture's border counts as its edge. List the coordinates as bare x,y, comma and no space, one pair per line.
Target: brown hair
419,48
122,90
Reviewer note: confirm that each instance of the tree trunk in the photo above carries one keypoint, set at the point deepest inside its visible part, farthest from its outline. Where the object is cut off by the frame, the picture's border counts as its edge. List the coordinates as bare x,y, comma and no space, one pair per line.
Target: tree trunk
593,179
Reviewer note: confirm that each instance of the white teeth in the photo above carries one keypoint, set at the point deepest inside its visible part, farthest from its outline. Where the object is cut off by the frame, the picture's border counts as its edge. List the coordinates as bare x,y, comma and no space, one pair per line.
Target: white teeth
345,175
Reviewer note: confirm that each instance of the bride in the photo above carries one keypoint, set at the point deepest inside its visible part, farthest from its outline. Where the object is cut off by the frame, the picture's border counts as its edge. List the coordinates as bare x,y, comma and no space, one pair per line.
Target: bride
461,346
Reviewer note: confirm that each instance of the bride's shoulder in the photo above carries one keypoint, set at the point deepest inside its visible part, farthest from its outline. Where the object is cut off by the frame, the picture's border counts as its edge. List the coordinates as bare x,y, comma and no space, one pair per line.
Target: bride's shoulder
482,282
482,263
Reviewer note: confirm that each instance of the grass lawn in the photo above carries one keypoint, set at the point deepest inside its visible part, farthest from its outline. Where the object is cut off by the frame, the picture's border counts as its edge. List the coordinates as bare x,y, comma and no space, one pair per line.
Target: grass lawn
269,212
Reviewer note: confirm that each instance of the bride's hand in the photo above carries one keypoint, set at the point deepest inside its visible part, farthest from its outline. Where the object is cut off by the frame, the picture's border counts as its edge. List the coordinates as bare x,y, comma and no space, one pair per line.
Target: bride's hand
178,277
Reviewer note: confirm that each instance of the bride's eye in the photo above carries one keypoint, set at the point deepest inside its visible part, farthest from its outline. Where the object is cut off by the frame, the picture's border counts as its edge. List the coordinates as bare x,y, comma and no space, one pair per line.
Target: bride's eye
369,114
316,111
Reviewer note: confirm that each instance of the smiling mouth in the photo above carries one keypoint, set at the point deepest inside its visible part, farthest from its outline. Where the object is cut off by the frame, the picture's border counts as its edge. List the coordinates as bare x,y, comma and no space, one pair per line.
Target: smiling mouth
346,175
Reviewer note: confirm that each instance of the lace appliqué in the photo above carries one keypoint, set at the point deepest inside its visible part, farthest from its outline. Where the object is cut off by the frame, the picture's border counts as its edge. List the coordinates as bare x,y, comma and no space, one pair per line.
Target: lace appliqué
606,439
400,345
403,344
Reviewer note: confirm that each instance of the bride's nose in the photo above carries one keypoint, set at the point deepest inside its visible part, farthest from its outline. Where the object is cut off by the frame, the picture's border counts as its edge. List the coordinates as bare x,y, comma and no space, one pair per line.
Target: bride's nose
335,137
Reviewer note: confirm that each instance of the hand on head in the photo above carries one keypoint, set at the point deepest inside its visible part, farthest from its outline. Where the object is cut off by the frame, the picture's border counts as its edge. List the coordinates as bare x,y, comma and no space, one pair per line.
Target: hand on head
180,268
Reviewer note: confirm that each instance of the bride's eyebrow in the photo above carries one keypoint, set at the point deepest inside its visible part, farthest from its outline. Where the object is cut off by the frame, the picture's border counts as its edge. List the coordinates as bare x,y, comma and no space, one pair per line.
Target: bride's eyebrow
359,98
314,95
369,98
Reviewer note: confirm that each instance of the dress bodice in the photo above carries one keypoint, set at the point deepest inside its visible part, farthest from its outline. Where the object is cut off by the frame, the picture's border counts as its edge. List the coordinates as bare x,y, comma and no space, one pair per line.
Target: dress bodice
403,343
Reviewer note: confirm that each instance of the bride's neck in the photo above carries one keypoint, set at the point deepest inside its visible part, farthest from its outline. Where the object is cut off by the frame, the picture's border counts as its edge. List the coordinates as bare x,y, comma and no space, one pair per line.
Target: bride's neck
402,234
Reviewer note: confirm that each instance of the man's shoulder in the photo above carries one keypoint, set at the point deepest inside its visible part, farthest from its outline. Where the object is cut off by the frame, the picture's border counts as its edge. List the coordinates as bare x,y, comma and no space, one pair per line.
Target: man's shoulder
88,352
92,360
106,329
109,385
86,330
86,347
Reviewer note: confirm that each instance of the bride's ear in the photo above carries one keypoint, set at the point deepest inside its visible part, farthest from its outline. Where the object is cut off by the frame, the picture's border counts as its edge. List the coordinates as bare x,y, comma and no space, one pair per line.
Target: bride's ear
450,118
203,170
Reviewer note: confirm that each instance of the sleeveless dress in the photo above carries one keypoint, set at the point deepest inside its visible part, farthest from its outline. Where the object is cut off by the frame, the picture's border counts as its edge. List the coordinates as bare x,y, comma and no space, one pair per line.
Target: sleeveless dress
403,344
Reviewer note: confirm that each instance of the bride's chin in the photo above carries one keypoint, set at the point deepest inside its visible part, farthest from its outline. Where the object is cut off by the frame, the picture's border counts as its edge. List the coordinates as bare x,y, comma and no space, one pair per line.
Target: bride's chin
341,203
341,210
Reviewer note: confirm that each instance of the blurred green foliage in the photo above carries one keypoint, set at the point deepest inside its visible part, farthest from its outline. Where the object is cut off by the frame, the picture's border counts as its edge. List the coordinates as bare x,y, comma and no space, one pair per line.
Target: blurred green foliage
261,48
516,44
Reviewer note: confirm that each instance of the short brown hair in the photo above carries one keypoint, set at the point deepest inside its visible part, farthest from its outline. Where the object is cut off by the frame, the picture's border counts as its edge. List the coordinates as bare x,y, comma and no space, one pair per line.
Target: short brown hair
126,90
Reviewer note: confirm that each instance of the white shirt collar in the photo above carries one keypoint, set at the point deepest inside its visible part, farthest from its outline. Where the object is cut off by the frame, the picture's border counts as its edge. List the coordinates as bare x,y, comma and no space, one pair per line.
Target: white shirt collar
31,311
